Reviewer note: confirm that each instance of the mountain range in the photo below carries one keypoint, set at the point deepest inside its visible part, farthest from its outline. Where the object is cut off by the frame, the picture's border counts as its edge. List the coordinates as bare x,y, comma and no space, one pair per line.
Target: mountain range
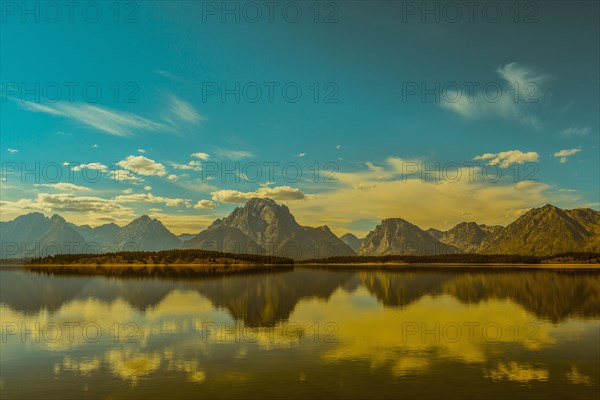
262,226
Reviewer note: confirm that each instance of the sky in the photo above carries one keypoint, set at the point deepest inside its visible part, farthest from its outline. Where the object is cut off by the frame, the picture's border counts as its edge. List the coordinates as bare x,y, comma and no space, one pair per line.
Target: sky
347,112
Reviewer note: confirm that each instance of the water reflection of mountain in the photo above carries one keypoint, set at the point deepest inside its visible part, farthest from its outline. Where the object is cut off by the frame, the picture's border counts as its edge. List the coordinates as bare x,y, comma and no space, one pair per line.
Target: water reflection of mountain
255,299
550,295
264,299
29,292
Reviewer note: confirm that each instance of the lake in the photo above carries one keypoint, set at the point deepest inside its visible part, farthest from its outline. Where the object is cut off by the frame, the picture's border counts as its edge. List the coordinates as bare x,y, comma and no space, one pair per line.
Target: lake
307,333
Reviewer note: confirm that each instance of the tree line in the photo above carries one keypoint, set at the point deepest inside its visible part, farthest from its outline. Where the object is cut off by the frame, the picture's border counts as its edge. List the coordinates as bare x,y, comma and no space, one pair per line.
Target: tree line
176,256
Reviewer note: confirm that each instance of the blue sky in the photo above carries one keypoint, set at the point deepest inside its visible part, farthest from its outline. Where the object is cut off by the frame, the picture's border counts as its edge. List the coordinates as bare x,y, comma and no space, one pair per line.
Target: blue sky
378,84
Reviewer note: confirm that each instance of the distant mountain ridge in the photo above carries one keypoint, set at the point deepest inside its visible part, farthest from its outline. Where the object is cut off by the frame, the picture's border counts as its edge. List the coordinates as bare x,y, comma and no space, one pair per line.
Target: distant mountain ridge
396,236
545,231
262,226
466,237
352,241
34,234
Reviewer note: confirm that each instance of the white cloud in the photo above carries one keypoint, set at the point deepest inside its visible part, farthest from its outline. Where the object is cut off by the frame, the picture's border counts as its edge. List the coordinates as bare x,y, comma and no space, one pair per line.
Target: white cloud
68,202
424,202
205,204
93,165
281,193
522,86
565,154
300,154
234,154
192,166
147,187
12,151
200,155
183,110
150,198
141,151
94,146
172,177
166,74
339,146
119,123
124,175
267,183
107,120
364,186
507,158
520,74
575,132
143,166
69,187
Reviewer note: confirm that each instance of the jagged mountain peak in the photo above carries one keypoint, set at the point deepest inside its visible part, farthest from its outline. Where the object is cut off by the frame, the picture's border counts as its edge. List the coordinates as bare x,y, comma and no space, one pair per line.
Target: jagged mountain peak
465,236
37,216
57,218
545,231
398,236
143,218
271,227
259,214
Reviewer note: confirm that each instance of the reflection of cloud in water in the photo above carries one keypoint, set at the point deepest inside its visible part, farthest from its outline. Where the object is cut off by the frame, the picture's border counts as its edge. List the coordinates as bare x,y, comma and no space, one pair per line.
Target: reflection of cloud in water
369,331
517,372
410,365
191,368
85,366
577,378
131,365
376,334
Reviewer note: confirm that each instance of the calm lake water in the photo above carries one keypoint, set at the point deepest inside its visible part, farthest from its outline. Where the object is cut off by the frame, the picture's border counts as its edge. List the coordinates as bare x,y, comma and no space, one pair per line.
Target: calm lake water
306,333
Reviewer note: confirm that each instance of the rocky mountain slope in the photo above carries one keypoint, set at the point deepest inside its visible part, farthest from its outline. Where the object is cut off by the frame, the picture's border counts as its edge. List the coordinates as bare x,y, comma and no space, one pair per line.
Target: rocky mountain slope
352,241
398,236
466,236
545,231
271,227
144,234
34,235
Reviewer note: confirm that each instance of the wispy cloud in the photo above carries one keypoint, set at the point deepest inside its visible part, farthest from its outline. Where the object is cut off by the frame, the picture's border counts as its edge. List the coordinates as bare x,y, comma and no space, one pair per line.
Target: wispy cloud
183,110
12,151
575,131
523,75
166,74
150,198
233,154
565,154
386,192
522,87
120,123
106,120
68,187
67,202
192,166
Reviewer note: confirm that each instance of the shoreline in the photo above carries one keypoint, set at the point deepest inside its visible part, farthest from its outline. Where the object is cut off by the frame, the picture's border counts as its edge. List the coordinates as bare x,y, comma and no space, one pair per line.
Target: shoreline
405,265
207,269
155,270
